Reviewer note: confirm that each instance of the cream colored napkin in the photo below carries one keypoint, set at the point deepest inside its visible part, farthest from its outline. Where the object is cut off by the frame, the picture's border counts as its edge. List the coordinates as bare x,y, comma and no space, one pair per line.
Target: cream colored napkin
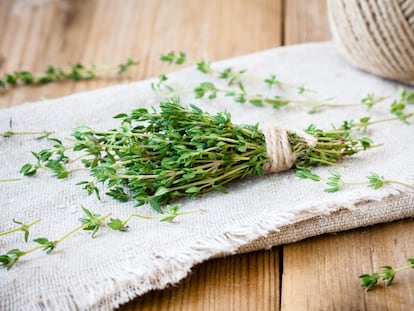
85,273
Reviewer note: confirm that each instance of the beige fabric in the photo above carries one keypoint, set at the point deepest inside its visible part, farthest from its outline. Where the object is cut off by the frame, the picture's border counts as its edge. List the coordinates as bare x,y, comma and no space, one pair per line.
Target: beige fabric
364,214
101,273
376,35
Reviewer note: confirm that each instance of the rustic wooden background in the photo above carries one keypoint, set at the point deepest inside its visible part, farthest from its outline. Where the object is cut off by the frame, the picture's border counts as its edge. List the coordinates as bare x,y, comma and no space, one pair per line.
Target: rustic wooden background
315,274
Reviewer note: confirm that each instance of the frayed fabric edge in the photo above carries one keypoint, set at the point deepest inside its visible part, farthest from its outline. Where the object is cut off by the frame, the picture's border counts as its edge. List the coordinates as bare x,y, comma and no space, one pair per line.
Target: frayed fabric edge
162,270
169,269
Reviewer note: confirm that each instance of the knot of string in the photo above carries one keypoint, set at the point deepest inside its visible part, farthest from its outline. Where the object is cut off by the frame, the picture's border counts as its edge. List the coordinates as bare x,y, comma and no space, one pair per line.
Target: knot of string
279,150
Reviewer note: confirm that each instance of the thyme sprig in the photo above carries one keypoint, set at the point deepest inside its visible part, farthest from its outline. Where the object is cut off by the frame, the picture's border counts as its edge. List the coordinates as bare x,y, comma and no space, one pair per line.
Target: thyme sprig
170,214
231,75
23,227
387,274
90,222
398,106
374,180
239,94
76,72
11,133
43,134
10,180
336,182
52,160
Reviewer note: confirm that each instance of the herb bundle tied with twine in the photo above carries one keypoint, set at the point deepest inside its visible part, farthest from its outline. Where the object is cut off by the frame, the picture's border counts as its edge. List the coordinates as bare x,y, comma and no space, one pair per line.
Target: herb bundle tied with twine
156,157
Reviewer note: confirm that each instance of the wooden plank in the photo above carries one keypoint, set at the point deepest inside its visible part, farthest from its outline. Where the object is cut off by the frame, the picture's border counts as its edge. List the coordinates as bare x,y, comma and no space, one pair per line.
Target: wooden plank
305,21
322,273
242,282
38,33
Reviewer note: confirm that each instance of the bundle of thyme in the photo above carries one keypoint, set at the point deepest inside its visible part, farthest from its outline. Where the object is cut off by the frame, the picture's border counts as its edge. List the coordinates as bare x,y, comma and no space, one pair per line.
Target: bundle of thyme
156,157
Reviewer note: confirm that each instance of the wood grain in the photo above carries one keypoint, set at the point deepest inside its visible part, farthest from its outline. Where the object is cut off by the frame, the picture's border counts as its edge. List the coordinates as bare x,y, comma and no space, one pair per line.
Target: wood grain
305,21
42,32
328,269
248,282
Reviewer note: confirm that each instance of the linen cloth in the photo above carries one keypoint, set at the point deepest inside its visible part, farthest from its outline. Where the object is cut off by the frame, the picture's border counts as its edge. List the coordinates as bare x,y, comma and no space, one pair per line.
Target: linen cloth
258,212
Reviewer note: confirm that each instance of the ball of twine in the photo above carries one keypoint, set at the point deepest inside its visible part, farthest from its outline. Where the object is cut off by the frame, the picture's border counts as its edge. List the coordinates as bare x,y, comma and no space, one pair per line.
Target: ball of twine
376,35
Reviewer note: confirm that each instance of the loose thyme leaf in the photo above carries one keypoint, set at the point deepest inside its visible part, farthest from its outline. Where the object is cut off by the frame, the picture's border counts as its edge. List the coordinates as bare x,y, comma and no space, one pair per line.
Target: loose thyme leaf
375,180
169,57
204,66
117,225
10,258
122,68
48,246
306,173
406,96
368,281
334,181
28,170
182,57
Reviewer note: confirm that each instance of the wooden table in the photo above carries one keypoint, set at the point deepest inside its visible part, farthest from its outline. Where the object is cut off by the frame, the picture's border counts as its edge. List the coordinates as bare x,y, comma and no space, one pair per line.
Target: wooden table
315,274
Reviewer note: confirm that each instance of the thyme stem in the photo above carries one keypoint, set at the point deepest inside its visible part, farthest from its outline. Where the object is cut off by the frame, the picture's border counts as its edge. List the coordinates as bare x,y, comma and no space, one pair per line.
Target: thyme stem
21,228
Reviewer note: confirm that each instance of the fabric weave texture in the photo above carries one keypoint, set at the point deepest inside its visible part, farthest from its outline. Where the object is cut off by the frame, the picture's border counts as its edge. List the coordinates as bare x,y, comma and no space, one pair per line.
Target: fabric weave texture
257,213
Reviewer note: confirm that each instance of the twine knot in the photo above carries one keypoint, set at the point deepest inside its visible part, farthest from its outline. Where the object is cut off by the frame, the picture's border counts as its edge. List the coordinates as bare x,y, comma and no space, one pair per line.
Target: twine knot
279,150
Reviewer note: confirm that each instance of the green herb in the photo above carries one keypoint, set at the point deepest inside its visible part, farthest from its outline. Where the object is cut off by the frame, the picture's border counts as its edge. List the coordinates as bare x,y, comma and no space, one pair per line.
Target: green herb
231,75
335,181
388,273
375,181
90,222
405,96
122,68
76,72
239,95
171,58
306,173
277,101
398,106
23,227
53,160
170,214
236,76
10,180
11,133
11,257
157,157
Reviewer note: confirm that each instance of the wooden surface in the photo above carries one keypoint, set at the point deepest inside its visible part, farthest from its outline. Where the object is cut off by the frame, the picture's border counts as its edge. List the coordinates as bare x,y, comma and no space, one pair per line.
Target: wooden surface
315,274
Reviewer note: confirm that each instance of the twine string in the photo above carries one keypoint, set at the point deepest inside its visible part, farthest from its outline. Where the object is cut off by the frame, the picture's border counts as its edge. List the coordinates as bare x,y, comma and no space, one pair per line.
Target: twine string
376,35
279,150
